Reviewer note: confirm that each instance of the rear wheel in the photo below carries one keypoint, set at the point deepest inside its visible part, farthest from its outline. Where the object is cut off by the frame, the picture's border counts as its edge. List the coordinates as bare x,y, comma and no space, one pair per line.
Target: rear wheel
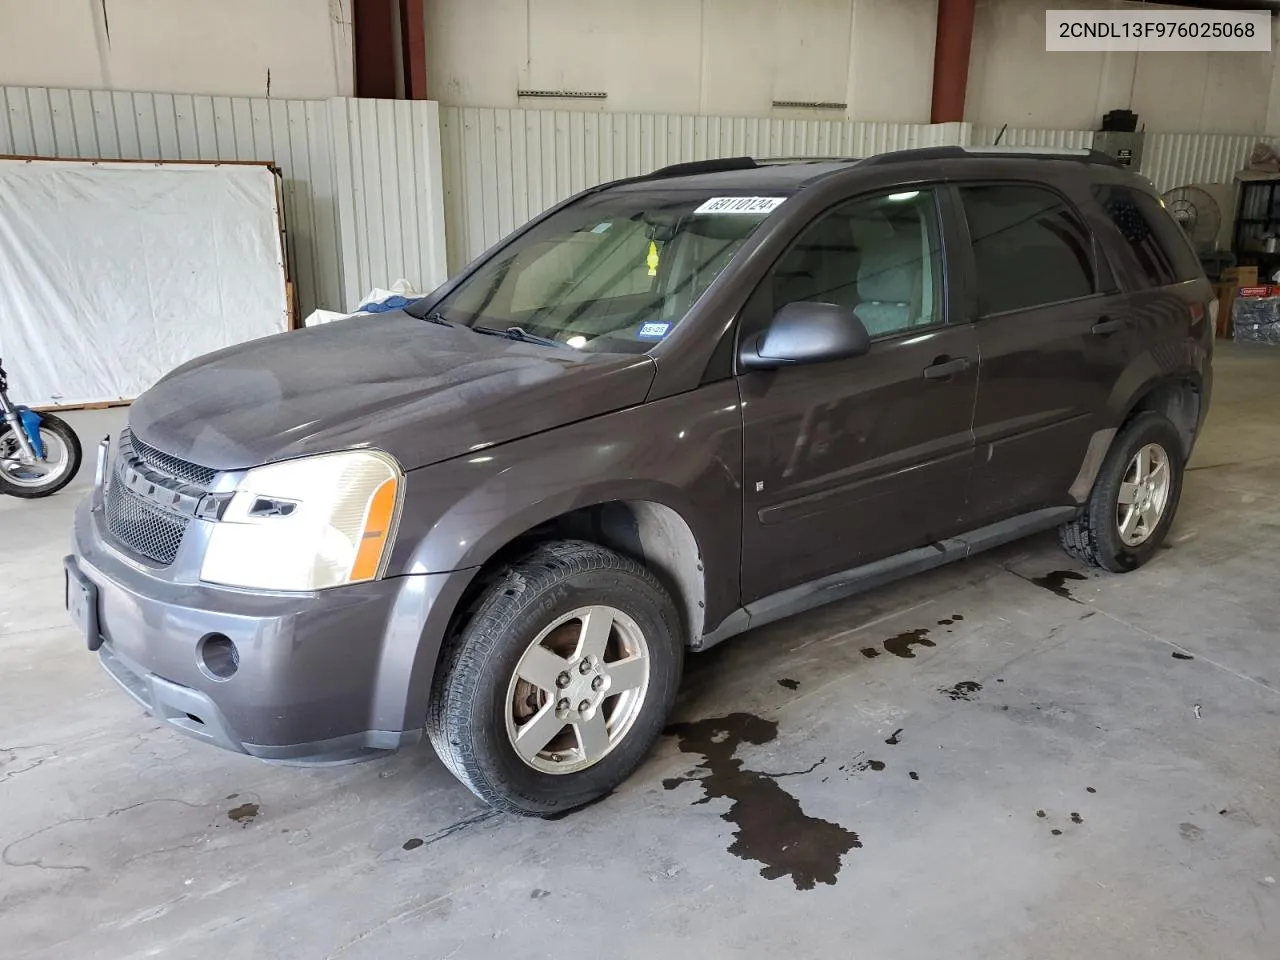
1134,498
558,685
44,477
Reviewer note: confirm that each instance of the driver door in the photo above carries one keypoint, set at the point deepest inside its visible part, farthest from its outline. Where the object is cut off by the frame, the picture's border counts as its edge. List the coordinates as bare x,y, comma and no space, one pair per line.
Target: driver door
849,461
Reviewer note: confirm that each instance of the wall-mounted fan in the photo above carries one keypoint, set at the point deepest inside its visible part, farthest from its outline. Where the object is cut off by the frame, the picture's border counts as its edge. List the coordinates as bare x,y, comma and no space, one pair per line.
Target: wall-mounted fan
1197,213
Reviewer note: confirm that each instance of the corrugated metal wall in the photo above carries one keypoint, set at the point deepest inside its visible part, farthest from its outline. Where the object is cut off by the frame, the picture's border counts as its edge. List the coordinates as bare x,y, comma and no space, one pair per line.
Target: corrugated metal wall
1174,159
985,135
379,190
361,178
386,156
502,167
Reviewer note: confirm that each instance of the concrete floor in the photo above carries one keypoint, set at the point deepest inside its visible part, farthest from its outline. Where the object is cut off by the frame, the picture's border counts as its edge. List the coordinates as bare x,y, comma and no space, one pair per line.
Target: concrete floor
1038,761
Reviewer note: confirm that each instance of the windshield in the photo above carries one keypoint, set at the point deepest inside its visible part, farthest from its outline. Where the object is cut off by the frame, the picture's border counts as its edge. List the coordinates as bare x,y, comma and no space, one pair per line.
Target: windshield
613,273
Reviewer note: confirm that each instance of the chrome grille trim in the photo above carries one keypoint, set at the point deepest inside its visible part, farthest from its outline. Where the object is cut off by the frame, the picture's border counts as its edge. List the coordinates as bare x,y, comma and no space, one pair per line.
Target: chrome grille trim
150,499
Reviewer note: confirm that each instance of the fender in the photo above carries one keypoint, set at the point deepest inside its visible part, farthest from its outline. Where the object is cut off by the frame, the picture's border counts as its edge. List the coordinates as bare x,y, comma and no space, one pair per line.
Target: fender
1146,374
460,513
30,421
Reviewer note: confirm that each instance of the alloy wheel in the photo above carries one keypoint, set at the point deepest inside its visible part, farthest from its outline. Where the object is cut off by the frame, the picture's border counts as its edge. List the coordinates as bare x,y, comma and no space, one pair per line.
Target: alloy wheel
1144,494
577,689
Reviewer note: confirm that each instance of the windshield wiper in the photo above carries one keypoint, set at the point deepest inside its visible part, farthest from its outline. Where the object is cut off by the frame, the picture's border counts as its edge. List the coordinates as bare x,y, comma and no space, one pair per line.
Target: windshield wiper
519,333
438,318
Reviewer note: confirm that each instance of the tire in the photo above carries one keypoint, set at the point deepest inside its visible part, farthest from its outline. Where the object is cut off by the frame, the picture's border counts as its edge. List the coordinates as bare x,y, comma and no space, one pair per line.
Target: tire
480,706
1095,536
60,431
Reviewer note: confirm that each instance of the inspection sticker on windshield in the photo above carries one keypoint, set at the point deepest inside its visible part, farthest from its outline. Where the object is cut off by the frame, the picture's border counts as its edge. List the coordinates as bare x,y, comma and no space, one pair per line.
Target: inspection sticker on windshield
653,331
741,205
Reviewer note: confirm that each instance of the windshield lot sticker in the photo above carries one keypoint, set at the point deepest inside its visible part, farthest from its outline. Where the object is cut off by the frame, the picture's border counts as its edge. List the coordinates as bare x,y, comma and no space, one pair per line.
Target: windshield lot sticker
741,205
653,331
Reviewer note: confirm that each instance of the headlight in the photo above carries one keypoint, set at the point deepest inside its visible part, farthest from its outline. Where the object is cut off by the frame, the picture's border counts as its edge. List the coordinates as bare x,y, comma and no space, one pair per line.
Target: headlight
307,524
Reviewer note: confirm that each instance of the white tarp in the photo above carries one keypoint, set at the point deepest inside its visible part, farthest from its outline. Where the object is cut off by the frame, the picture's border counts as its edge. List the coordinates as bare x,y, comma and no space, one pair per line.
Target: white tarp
112,274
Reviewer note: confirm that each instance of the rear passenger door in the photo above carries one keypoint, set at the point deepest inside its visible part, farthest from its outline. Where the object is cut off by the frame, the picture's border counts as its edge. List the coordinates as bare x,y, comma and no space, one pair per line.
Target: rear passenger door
1051,340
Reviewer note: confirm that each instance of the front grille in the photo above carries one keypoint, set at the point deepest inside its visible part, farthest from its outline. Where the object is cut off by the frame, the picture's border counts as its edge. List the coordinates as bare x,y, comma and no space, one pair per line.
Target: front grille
170,466
147,529
143,528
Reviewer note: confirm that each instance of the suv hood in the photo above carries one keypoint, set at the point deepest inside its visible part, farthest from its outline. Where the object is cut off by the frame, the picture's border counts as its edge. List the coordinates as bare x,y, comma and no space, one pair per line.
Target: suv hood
419,391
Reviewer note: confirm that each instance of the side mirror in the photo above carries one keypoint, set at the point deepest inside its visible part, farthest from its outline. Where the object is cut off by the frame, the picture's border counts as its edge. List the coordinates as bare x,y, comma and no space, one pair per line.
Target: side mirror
805,332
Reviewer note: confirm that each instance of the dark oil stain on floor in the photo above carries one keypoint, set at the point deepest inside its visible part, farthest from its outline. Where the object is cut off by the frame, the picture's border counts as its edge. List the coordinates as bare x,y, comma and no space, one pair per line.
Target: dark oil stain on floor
232,796
957,616
243,814
913,775
1041,813
1056,832
1076,818
1090,790
900,646
789,683
870,652
1055,582
538,894
1181,656
964,690
894,738
772,829
413,843
859,764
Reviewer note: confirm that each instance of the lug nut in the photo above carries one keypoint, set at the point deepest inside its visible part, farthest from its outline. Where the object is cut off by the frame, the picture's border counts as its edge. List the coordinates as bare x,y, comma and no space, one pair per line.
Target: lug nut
585,666
562,681
562,705
584,706
597,683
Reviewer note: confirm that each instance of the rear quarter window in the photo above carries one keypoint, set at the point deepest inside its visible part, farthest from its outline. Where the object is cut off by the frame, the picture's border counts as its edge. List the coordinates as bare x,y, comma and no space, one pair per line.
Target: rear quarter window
1161,249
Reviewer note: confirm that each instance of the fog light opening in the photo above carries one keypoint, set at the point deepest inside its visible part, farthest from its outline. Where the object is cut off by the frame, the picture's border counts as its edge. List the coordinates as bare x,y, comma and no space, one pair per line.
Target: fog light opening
219,656
194,719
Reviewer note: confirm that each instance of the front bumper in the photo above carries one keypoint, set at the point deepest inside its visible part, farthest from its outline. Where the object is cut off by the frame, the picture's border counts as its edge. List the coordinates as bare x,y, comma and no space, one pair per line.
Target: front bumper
322,677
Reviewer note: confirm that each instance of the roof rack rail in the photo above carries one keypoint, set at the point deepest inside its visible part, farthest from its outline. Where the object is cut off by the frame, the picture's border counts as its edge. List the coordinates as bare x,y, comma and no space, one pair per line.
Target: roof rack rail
1078,154
703,166
765,161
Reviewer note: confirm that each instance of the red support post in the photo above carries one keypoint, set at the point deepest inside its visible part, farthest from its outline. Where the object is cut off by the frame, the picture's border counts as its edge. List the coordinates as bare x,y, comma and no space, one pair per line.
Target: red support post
951,60
413,35
375,50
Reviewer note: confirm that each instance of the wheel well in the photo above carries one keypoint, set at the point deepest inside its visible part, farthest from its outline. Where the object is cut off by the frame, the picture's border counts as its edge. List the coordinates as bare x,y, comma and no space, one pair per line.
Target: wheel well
1179,402
650,533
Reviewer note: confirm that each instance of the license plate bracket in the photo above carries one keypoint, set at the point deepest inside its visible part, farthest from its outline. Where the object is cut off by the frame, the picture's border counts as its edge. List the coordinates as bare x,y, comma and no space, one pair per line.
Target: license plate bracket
82,603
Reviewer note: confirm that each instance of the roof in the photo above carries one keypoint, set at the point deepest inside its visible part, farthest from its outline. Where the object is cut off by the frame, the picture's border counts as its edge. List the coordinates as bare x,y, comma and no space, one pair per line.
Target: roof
734,174
790,174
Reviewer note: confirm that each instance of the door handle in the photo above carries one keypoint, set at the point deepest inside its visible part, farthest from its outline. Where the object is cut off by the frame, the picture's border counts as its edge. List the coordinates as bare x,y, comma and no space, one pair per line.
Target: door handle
1106,326
942,369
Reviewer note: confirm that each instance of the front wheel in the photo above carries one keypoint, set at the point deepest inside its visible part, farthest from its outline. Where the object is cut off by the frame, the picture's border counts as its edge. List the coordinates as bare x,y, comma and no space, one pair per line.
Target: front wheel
558,685
1133,500
61,461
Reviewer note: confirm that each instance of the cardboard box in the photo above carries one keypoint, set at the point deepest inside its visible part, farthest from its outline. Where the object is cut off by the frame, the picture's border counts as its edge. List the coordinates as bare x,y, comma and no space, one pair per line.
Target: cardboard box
1225,294
1241,276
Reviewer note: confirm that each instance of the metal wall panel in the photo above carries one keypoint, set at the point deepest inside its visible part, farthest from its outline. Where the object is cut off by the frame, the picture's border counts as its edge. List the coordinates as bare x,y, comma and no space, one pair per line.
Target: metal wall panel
361,178
292,134
386,157
503,166
985,135
1175,159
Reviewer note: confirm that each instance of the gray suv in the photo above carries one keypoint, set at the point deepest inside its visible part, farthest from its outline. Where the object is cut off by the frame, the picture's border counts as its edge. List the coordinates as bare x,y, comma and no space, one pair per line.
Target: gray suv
668,410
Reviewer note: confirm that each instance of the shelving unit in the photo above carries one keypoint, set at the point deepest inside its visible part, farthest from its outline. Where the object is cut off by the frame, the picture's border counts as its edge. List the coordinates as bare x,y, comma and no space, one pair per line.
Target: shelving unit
1257,216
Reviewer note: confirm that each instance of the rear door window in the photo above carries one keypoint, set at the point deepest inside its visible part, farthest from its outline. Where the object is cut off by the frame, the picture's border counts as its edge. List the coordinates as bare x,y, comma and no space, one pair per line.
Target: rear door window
1030,247
1160,247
